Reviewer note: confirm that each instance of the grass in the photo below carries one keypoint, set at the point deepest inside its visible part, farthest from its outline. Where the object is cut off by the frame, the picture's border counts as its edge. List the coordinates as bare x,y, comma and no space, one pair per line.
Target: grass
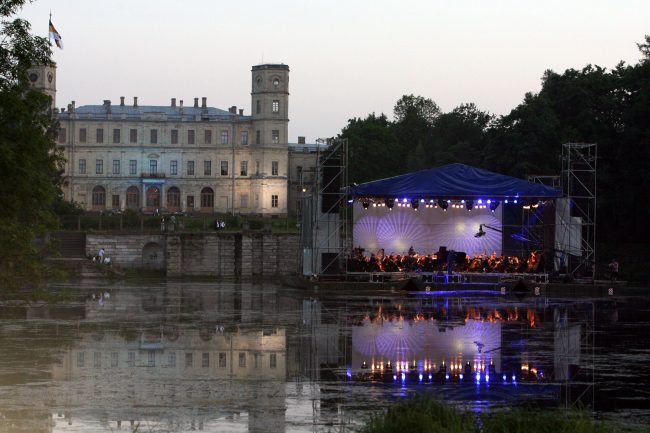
424,414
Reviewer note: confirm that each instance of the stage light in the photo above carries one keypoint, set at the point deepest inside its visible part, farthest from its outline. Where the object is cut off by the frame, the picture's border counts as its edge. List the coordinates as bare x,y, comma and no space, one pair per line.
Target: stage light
478,377
403,377
443,204
504,377
493,205
461,376
446,376
415,204
365,205
389,203
420,377
506,201
469,204
405,200
480,201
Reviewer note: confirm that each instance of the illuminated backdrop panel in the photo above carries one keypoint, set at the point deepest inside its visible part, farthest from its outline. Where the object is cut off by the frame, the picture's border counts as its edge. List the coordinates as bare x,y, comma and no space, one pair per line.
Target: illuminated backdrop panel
426,230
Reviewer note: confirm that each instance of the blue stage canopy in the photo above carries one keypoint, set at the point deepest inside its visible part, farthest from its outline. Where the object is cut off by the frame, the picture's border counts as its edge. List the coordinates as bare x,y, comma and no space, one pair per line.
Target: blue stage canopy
454,181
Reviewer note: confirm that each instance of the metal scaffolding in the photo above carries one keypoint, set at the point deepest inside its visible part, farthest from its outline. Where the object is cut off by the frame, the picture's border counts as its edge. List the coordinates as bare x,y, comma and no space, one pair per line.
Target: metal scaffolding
576,218
324,228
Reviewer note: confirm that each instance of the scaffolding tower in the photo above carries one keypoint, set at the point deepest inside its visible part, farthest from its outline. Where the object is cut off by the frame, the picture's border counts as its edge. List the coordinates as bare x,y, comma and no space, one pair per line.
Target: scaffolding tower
324,226
575,235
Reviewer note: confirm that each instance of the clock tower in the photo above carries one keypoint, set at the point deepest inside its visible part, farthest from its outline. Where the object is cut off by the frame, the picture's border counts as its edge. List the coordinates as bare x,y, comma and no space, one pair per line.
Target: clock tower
43,77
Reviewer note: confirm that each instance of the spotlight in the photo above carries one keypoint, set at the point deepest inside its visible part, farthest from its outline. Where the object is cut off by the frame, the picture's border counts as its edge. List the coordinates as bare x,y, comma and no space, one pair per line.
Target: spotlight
365,205
389,203
493,205
415,204
443,204
469,204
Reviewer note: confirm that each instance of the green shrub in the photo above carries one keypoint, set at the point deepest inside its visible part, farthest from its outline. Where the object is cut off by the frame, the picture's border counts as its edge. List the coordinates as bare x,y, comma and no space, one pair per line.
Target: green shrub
541,421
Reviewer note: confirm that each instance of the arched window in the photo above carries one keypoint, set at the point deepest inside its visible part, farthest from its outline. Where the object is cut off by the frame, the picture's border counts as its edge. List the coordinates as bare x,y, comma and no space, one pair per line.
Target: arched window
207,199
153,197
133,197
99,198
173,199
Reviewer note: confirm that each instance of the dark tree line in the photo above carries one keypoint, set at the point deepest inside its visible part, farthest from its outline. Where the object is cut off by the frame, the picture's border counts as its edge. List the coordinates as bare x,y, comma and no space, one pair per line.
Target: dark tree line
592,105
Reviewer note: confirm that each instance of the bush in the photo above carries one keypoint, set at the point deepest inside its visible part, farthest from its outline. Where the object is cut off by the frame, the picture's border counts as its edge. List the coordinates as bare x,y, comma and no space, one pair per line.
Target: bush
541,421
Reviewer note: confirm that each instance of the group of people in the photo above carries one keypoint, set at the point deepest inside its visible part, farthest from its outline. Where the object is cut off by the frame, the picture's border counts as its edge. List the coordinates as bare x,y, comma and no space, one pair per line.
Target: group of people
442,262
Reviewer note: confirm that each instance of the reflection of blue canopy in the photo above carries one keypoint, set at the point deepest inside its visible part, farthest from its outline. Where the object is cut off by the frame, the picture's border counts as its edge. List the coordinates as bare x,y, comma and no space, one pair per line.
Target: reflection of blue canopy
454,181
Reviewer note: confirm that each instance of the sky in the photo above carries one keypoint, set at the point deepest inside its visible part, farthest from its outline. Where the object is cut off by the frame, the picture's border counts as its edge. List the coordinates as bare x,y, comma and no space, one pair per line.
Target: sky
347,58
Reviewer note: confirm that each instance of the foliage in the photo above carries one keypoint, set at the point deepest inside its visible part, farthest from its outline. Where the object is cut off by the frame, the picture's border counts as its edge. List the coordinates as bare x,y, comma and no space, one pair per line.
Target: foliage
420,414
30,164
542,421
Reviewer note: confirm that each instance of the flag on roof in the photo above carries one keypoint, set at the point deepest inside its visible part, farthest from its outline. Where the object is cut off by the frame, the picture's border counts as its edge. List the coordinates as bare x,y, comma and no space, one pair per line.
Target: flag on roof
58,40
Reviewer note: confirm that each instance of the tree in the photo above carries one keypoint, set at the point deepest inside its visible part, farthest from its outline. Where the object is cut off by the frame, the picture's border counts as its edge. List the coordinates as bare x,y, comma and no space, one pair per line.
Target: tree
30,164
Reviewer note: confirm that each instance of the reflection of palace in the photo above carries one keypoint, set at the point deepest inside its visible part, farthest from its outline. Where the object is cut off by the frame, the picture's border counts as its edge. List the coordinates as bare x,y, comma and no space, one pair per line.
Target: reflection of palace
196,356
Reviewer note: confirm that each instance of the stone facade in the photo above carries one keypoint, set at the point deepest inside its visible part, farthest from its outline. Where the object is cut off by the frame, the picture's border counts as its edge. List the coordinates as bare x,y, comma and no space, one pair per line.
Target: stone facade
179,158
250,254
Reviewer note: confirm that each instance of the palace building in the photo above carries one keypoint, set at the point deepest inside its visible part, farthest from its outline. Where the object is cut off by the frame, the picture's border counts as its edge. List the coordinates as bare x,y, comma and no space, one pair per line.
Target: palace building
183,157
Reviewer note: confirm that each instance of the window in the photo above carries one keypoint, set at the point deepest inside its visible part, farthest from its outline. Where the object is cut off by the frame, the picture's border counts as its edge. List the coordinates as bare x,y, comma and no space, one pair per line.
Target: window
82,166
243,201
133,166
190,202
224,136
275,136
243,168
114,359
153,136
132,197
61,135
171,359
190,136
273,360
299,173
174,136
258,107
151,359
189,359
100,135
224,168
97,359
130,361
205,360
116,166
207,198
222,360
257,137
207,168
152,197
276,106
274,168
257,168
153,166
133,135
115,201
82,135
190,168
80,359
116,135
274,201
256,360
208,136
99,166
242,359
173,167
173,198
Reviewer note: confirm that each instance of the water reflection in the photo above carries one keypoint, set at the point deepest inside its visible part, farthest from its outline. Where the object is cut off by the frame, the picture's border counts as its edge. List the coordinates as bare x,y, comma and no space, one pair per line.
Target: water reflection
176,356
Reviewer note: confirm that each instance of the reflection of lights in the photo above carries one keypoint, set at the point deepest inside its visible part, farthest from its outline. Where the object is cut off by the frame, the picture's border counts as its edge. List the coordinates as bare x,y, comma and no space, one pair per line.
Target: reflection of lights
487,377
446,376
420,377
478,377
403,377
349,373
514,378
461,376
504,377
394,377
430,376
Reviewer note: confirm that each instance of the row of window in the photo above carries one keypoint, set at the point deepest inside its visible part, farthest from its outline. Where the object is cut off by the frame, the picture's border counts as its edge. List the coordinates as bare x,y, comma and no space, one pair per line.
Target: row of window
275,106
171,359
174,136
173,167
153,199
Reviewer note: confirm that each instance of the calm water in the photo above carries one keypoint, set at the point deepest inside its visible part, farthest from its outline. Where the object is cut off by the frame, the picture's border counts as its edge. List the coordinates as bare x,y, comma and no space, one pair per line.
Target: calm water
166,356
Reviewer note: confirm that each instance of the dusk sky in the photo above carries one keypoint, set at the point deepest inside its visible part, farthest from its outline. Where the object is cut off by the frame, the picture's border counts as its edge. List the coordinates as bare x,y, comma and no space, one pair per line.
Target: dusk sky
347,58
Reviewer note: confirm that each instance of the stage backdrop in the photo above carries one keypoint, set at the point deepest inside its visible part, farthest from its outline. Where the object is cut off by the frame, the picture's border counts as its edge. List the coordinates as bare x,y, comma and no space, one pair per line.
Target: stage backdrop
426,230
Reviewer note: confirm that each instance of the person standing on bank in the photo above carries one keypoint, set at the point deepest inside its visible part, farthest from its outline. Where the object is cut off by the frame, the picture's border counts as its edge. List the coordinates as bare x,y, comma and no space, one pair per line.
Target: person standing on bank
100,255
613,270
